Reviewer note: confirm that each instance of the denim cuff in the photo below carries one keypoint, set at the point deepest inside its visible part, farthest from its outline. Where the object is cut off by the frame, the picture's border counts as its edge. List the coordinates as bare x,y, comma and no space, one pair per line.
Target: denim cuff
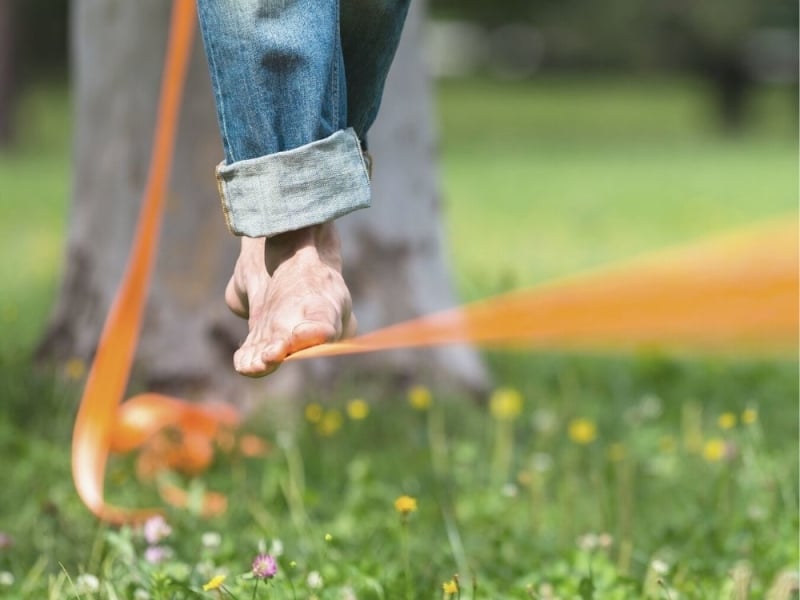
289,190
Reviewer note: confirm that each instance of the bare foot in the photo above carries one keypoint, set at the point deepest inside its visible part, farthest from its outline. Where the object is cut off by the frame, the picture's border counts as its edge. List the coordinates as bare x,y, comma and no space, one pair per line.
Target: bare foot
291,290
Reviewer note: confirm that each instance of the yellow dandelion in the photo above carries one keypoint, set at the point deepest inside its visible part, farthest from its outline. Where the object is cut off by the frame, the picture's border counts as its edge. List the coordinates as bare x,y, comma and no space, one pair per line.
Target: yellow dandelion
714,450
450,587
314,413
75,369
616,452
666,444
214,583
582,431
405,505
727,420
331,423
749,416
505,404
419,397
357,409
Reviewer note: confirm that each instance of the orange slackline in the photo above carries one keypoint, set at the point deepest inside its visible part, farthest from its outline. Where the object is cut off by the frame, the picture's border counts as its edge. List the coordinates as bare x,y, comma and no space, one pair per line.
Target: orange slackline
734,293
98,424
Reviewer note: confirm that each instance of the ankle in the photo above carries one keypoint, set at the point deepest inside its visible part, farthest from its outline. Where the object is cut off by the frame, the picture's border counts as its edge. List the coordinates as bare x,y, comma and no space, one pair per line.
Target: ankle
317,242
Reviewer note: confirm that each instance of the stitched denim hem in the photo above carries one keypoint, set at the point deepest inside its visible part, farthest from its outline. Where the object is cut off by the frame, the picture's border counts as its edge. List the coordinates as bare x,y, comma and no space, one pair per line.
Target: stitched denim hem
289,190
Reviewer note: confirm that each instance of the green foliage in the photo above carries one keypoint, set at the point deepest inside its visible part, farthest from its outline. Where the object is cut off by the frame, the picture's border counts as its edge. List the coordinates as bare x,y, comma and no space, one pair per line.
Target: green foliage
646,499
663,490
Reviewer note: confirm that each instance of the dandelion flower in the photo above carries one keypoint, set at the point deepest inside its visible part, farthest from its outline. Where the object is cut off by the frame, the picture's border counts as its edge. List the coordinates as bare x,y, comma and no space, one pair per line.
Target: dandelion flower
749,416
331,423
616,452
405,505
505,404
582,431
419,397
75,369
357,409
714,450
214,583
314,413
450,587
666,444
156,529
264,566
727,420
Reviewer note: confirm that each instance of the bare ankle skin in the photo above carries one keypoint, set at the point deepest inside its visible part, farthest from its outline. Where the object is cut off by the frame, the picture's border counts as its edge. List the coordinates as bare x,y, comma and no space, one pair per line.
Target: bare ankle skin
290,289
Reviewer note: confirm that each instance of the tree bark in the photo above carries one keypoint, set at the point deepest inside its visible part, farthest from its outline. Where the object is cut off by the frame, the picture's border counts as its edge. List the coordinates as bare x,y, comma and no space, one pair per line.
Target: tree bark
189,337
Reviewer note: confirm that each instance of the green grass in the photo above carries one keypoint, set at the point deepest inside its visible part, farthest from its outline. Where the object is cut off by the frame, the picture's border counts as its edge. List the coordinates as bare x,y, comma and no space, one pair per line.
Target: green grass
541,179
544,179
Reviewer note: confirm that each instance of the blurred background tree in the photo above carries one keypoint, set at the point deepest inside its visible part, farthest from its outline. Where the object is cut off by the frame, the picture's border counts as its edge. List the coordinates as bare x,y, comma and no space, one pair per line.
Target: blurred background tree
729,44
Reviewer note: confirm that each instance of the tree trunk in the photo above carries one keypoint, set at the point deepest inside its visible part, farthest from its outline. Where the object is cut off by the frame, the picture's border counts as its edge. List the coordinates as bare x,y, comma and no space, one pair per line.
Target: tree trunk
188,336
395,256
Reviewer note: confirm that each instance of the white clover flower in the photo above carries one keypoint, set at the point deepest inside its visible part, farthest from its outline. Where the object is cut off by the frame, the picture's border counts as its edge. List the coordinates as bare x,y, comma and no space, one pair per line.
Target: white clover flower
348,593
541,462
141,594
588,542
509,490
86,583
6,578
211,539
659,566
276,547
314,580
546,591
650,407
544,420
284,440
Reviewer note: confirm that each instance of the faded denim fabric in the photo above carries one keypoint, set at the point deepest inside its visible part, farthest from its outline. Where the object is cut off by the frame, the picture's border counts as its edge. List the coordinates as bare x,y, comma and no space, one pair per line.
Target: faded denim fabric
297,84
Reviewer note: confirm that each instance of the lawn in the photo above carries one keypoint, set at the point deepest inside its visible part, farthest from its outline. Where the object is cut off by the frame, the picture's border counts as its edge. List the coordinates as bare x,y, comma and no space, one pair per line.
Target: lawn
646,476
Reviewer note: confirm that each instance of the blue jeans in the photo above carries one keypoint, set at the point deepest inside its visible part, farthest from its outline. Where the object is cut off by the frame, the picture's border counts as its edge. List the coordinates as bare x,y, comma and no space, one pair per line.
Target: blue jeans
297,84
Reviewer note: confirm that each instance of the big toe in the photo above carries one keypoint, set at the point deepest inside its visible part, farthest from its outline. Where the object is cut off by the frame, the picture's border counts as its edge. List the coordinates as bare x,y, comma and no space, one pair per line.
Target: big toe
310,333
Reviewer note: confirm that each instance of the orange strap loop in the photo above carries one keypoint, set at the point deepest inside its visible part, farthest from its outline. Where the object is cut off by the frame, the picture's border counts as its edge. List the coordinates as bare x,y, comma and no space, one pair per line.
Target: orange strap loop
737,292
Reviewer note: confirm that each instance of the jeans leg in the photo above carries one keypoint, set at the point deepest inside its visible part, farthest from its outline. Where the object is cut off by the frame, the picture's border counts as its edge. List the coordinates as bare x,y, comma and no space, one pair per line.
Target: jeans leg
370,31
277,71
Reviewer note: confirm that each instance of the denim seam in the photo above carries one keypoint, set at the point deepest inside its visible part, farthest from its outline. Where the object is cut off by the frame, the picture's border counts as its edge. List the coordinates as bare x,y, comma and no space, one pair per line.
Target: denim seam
337,58
218,96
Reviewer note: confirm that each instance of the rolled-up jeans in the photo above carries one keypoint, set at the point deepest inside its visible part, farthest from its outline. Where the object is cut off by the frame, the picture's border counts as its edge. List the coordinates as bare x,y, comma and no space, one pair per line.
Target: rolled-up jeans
297,85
